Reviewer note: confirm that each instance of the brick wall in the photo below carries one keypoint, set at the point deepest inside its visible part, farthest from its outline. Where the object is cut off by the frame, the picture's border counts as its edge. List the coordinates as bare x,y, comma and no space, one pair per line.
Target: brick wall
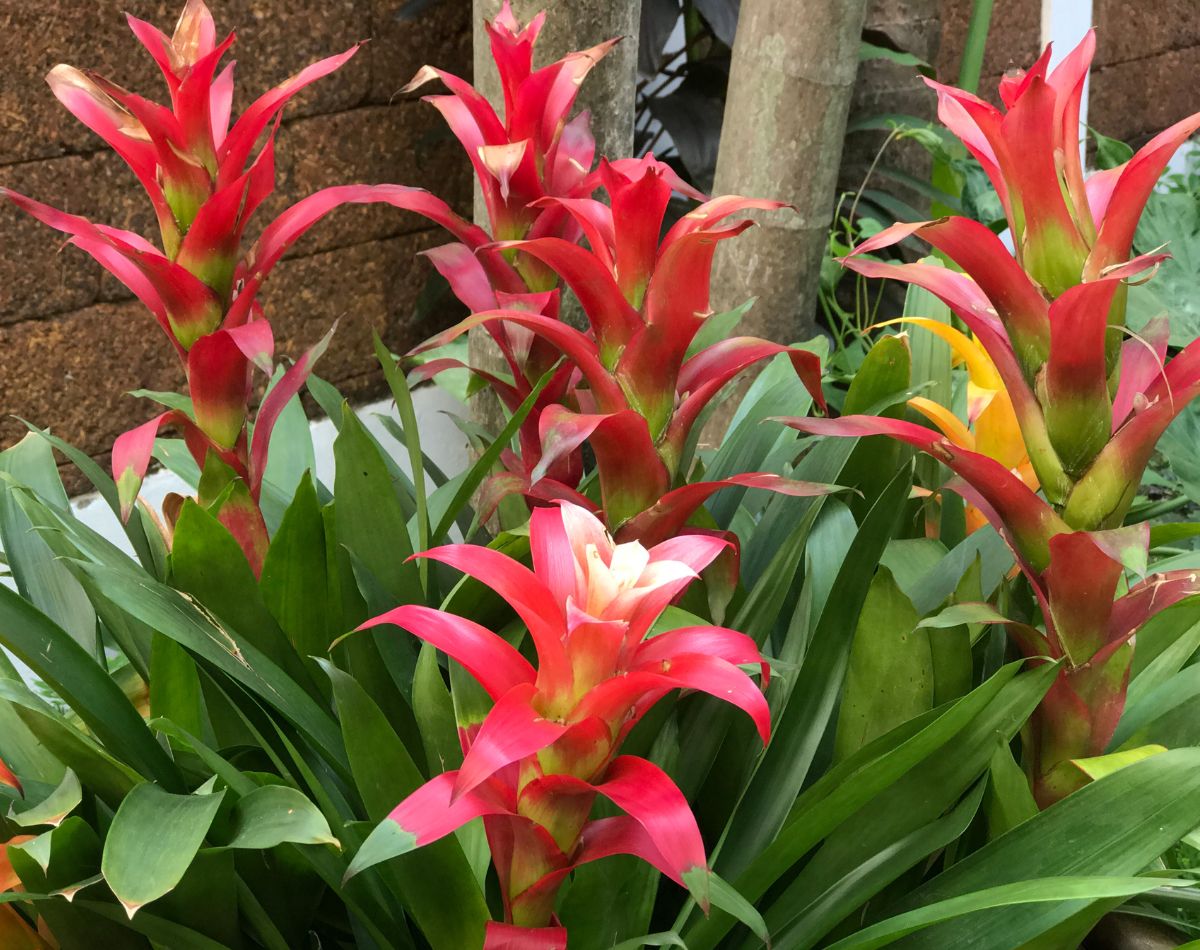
1147,61
72,341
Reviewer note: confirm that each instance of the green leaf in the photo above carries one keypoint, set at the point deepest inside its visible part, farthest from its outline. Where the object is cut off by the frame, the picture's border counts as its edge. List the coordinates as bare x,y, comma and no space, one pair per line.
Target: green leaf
1009,798
798,730
957,615
274,815
434,709
370,522
436,882
898,782
1045,890
412,441
207,563
1097,767
290,454
99,771
890,675
1116,826
39,576
482,468
188,624
83,685
148,546
717,327
295,581
153,839
52,809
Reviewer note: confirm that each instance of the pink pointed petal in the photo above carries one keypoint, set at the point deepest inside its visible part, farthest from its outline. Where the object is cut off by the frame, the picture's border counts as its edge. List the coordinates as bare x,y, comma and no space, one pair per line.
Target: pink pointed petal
677,301
668,516
500,936
433,811
243,519
728,645
621,834
1128,452
574,345
719,678
1156,593
512,730
558,539
157,43
489,658
523,591
1099,188
487,128
256,341
1143,360
1128,197
648,796
631,473
273,404
978,251
714,211
595,219
132,276
220,105
119,130
707,373
236,148
639,202
1076,376
465,274
286,229
612,318
131,458
1018,510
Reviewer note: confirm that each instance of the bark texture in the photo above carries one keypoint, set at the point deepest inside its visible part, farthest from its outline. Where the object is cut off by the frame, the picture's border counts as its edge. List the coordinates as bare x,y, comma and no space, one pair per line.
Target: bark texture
608,93
790,85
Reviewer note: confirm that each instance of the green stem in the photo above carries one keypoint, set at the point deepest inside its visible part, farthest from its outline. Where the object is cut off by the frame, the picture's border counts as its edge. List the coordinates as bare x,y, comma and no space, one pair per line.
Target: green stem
971,66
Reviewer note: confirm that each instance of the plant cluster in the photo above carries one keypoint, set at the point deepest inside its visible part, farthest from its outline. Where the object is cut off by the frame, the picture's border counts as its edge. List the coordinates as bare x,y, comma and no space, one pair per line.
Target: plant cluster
832,695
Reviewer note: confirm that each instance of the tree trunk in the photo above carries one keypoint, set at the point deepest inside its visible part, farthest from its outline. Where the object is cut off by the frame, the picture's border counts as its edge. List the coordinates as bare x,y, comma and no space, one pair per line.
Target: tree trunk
789,93
608,92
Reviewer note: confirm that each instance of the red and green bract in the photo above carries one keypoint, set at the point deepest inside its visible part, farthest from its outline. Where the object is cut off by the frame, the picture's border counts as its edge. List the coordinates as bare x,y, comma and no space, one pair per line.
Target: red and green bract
550,745
205,180
640,390
1090,407
531,154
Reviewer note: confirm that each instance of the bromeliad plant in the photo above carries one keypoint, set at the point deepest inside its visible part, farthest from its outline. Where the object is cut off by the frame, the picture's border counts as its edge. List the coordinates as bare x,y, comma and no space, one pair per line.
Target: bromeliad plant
535,764
1090,408
644,380
205,182
550,701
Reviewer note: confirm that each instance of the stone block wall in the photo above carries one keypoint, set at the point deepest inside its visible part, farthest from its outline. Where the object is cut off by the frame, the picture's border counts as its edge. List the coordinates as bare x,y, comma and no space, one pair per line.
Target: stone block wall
1146,66
72,341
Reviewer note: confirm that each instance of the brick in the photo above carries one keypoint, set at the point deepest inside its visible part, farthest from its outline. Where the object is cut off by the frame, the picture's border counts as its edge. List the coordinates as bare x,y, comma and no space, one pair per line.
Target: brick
401,43
72,374
912,25
276,39
405,143
1133,100
1128,31
38,276
367,287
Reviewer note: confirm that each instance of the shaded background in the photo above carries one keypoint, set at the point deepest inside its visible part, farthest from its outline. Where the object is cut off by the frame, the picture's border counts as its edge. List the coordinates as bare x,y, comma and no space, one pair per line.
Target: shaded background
72,342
